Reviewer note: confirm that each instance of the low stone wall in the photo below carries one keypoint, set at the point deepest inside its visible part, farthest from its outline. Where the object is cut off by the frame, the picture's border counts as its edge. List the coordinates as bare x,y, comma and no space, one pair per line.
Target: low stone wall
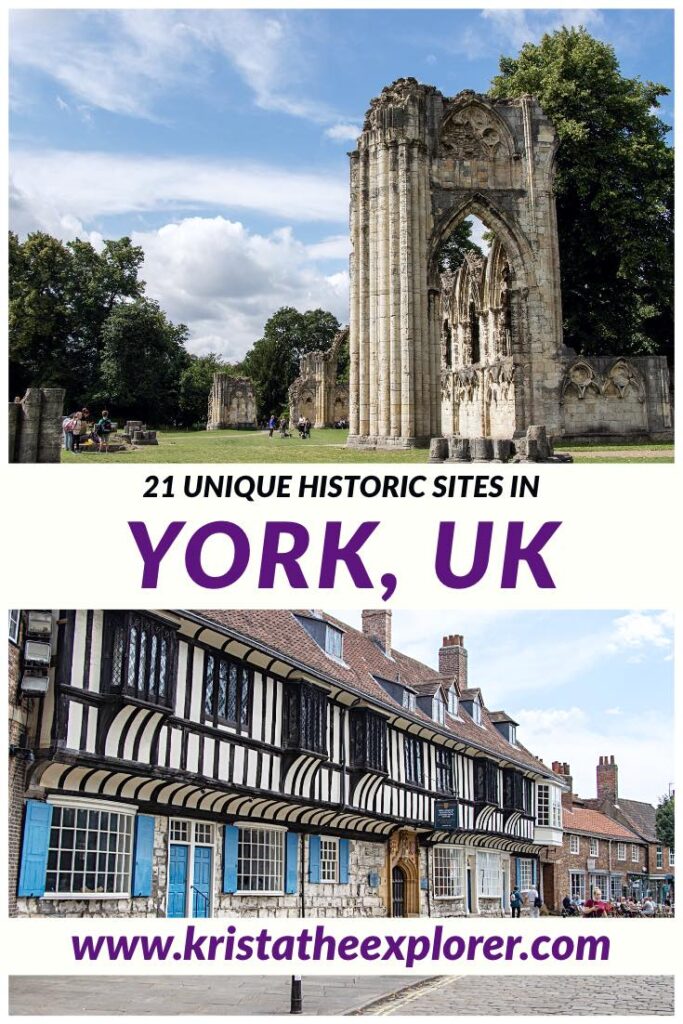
35,426
616,399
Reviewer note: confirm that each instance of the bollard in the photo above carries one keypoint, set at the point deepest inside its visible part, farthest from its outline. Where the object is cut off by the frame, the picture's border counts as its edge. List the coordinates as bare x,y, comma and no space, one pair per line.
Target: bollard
296,1004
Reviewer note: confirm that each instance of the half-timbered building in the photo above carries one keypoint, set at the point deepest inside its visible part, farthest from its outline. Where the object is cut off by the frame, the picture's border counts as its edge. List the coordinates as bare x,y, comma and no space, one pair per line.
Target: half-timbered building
252,763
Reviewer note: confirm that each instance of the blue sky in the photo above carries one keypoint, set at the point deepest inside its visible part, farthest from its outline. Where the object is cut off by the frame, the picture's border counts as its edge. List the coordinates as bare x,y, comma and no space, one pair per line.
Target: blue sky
580,683
218,138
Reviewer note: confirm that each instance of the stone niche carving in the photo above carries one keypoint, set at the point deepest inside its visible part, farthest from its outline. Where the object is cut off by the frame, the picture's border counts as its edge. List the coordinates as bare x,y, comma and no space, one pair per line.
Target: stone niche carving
316,393
231,404
477,352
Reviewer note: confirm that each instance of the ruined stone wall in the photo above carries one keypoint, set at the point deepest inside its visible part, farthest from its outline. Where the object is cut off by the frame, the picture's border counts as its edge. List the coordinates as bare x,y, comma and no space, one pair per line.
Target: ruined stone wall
616,398
35,426
481,355
423,164
232,403
316,393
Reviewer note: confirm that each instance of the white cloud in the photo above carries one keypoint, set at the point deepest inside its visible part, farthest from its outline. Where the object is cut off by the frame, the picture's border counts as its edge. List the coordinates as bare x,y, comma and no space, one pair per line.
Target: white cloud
116,61
336,247
48,186
644,629
224,281
126,61
642,749
509,29
343,132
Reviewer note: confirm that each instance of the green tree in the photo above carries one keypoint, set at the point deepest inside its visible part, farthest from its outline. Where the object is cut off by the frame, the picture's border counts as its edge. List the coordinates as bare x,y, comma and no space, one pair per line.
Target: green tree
195,385
273,361
60,297
665,821
452,250
614,188
143,358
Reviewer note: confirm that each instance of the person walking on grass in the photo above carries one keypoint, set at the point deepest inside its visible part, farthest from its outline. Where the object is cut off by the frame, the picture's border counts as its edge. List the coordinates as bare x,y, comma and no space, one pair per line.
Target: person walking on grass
272,423
76,431
104,428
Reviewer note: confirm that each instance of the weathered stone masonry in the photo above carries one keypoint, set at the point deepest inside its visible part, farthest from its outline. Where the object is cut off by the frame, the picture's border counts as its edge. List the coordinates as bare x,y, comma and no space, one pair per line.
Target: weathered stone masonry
479,353
231,403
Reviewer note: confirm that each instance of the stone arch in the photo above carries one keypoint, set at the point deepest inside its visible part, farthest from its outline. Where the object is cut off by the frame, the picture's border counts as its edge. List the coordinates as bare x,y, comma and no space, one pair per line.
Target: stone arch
423,164
514,241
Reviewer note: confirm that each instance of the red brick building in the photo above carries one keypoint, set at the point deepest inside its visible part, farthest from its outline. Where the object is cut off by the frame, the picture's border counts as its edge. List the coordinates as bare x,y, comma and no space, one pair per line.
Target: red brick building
658,876
597,854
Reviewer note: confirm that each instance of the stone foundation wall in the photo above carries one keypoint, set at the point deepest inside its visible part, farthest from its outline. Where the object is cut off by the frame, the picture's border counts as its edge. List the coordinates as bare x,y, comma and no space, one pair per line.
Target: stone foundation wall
355,899
35,426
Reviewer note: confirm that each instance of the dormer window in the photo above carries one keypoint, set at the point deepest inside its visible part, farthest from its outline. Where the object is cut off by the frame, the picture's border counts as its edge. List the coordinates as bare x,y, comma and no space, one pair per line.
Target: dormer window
476,712
439,710
453,702
409,700
327,636
512,734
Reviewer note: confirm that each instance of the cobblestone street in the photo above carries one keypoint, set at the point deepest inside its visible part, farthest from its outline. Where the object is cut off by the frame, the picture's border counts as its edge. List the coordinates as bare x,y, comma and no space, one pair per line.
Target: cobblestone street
325,996
486,996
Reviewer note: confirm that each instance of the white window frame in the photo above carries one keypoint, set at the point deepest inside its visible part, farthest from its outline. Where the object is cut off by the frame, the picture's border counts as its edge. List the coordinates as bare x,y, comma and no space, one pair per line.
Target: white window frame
453,702
448,872
526,873
618,881
273,830
13,625
593,847
659,856
635,853
187,833
577,885
439,711
621,851
671,858
99,806
476,712
489,875
574,844
329,864
548,805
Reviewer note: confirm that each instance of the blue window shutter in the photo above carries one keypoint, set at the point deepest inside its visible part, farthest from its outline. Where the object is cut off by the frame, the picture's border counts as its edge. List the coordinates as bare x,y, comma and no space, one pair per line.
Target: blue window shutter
291,861
142,858
344,861
517,872
314,859
34,848
230,847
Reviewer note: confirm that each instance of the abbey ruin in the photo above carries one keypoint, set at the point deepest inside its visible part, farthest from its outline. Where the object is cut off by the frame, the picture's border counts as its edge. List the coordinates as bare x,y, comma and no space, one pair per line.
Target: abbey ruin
231,403
478,352
316,393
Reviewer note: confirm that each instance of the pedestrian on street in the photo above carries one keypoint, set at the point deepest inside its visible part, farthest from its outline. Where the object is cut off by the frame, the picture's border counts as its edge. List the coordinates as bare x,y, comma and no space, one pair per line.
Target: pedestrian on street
534,901
516,902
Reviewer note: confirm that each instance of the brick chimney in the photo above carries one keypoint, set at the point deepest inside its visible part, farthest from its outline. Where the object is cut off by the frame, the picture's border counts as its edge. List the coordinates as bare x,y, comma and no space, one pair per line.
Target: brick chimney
453,659
377,625
562,768
607,774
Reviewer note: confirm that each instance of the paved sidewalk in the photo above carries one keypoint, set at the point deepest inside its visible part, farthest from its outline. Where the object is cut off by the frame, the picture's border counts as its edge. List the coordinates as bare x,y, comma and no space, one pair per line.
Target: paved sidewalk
205,996
532,996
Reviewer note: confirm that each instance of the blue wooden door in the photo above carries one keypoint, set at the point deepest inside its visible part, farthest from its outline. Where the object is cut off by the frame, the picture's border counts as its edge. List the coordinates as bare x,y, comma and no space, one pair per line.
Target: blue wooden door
177,880
201,882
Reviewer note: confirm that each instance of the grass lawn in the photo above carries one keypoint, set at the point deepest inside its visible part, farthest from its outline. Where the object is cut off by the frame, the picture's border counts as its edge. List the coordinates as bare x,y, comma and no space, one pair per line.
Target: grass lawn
228,446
